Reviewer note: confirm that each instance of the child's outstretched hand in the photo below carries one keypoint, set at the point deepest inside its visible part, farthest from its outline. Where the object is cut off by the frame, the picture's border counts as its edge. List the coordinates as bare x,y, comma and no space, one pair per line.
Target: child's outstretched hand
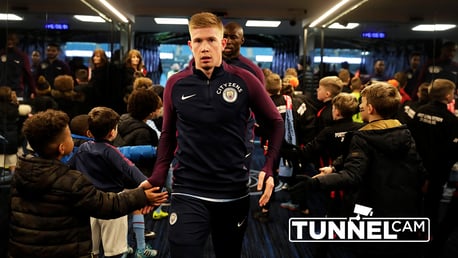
154,197
324,171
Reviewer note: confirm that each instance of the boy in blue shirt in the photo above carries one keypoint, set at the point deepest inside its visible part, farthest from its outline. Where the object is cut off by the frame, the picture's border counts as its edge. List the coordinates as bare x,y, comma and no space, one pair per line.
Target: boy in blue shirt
109,171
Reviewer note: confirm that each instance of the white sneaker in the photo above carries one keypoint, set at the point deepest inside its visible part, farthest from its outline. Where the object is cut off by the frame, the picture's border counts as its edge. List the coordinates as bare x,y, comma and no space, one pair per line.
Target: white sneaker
147,252
285,186
150,234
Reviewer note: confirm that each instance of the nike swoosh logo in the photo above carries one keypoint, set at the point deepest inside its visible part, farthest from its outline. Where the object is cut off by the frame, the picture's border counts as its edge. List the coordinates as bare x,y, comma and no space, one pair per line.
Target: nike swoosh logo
239,224
183,97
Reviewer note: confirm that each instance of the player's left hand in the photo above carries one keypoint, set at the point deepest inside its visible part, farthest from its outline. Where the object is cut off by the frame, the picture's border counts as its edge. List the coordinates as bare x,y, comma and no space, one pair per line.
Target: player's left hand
269,186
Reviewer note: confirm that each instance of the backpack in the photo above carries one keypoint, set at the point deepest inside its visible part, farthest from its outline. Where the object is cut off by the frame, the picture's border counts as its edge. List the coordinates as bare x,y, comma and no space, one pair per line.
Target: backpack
286,169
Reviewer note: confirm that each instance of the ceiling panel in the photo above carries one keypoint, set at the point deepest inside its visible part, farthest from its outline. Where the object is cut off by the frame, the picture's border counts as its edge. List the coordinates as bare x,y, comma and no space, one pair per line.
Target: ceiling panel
393,17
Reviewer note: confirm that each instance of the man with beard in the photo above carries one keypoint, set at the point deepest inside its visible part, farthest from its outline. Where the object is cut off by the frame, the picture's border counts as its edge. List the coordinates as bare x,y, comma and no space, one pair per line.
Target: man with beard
52,66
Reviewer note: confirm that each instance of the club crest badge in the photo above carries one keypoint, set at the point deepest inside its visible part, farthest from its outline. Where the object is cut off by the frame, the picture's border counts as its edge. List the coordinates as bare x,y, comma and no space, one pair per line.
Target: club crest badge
230,95
173,218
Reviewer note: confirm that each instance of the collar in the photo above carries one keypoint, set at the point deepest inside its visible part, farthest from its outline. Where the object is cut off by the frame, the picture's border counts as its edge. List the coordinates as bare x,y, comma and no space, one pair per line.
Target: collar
217,71
77,136
381,124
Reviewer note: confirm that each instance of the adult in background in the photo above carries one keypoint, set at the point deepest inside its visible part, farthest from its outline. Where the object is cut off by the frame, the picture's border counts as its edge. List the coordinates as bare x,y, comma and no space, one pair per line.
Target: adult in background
442,67
379,71
413,72
52,66
233,33
103,83
35,57
133,68
15,68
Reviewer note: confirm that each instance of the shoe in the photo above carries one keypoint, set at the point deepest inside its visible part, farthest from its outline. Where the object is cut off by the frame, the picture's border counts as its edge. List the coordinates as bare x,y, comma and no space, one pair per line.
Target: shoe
147,252
285,186
261,216
6,176
130,250
150,234
160,214
290,206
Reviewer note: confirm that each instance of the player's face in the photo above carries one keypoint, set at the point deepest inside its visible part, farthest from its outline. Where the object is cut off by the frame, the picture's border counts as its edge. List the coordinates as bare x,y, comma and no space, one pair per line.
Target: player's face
207,45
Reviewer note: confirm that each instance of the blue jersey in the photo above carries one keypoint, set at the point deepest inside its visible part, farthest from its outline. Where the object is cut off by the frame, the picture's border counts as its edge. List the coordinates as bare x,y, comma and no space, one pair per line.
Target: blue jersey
205,125
106,167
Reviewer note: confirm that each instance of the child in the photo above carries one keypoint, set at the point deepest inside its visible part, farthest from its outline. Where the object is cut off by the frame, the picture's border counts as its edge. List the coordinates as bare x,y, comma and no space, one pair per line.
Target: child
382,170
330,142
109,171
140,82
401,79
409,108
79,127
356,86
43,100
435,130
344,75
304,111
68,100
143,104
51,204
137,127
328,88
84,88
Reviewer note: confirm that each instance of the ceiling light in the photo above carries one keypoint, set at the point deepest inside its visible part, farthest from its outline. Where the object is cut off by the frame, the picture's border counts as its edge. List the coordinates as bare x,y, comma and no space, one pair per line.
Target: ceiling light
264,58
433,27
165,55
115,11
89,18
171,21
328,13
345,12
100,13
337,59
261,23
10,17
347,26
